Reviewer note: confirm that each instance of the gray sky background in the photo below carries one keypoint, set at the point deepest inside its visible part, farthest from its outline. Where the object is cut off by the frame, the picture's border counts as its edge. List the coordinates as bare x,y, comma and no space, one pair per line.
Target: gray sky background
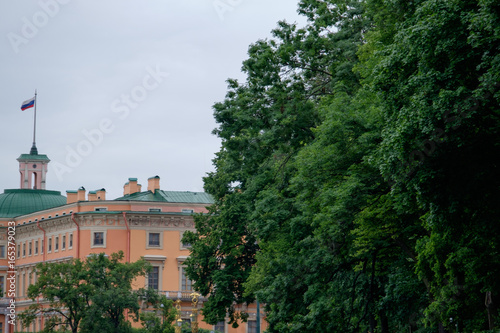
125,88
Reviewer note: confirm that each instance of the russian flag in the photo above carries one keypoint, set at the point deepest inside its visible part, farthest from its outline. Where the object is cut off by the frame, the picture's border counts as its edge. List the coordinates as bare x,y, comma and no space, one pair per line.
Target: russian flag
28,104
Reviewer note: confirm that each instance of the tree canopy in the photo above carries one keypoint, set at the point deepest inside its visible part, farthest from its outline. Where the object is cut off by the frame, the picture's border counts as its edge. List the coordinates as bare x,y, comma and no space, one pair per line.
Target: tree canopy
88,295
357,188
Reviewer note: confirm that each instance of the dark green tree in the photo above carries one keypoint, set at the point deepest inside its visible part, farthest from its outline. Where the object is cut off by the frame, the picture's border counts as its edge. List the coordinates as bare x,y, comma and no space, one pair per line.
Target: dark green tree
356,184
86,295
438,78
63,287
112,297
162,315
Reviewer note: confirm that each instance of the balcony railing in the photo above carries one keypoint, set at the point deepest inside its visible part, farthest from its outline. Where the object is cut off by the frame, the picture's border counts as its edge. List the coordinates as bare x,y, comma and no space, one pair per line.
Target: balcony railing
182,295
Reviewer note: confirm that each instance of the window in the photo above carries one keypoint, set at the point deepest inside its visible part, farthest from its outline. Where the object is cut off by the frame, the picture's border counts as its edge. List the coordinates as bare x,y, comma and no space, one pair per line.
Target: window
56,244
153,278
99,239
24,249
2,285
101,209
220,327
184,245
186,284
63,245
155,210
43,245
154,239
50,245
23,290
30,252
252,326
2,251
188,211
70,241
18,250
36,247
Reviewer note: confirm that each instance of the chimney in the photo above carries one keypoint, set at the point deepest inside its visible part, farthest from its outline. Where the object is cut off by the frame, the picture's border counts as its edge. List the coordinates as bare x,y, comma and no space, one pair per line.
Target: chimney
133,186
153,184
126,189
81,194
71,196
92,196
101,194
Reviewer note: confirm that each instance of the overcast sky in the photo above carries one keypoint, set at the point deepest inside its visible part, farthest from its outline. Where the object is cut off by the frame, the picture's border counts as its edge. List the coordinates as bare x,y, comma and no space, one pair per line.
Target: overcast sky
125,88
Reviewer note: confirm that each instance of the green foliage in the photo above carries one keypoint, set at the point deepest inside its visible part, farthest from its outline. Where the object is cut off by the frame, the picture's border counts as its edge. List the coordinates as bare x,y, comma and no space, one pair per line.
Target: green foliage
86,295
357,186
163,314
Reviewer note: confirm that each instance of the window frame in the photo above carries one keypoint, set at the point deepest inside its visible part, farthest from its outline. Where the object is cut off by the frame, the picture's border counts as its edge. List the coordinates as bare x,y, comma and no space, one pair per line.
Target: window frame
160,240
183,246
251,329
223,326
183,278
158,280
92,239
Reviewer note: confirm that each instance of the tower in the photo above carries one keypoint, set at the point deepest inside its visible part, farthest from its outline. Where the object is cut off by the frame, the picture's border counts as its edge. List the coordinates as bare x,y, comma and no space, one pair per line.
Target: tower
33,169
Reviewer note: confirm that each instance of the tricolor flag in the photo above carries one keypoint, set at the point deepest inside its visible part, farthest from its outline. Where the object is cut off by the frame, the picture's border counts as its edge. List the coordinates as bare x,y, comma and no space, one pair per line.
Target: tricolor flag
28,104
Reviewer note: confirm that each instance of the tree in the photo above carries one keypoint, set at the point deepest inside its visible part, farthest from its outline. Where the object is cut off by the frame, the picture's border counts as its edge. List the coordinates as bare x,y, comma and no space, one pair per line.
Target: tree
438,82
356,188
112,293
86,295
160,319
63,287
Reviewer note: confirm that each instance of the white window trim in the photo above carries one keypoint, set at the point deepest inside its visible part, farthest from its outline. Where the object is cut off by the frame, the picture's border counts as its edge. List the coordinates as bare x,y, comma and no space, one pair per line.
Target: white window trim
156,261
104,233
70,237
181,270
154,246
160,277
56,241
49,245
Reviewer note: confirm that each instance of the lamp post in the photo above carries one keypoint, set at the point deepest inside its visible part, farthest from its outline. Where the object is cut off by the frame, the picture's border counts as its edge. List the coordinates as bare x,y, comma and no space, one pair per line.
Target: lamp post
178,320
194,314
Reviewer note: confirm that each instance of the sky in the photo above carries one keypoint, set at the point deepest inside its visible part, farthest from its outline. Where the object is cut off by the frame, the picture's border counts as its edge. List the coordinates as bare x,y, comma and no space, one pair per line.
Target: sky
124,88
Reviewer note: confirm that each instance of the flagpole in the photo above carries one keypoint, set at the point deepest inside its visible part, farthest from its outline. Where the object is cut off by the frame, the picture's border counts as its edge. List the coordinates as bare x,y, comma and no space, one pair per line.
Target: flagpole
34,123
34,150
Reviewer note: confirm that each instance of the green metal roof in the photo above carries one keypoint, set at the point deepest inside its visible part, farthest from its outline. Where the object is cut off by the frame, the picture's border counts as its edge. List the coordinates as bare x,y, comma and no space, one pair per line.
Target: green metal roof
24,201
169,196
31,157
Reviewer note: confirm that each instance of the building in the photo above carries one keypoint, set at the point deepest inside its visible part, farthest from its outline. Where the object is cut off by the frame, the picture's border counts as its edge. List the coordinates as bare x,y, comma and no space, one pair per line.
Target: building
45,226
